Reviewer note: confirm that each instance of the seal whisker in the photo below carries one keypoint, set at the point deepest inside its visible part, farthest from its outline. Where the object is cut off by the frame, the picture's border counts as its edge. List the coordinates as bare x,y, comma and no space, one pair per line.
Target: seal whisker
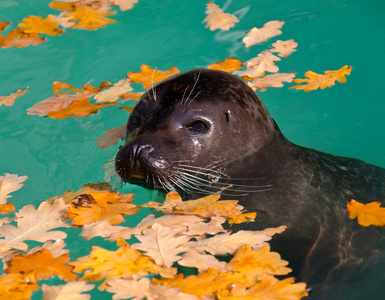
195,84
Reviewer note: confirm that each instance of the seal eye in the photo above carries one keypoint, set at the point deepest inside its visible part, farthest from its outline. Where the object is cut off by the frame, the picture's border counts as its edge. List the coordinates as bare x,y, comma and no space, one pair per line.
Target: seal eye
198,126
134,122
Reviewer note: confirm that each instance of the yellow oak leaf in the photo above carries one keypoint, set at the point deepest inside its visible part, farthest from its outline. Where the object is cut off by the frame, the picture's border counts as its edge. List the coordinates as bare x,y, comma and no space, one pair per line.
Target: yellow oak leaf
113,92
207,207
264,62
315,81
229,65
218,19
272,80
204,284
35,225
96,205
10,99
254,264
36,24
268,288
43,265
149,76
79,108
89,18
284,48
6,208
131,96
163,244
269,30
111,137
71,290
18,38
242,218
143,289
8,184
17,286
367,214
63,6
102,264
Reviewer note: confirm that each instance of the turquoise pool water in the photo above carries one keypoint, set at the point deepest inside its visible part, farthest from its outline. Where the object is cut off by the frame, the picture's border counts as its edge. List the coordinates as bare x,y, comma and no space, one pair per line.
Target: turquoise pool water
58,155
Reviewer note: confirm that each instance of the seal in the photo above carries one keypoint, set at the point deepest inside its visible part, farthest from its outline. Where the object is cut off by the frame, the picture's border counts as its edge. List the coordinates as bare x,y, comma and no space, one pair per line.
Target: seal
204,130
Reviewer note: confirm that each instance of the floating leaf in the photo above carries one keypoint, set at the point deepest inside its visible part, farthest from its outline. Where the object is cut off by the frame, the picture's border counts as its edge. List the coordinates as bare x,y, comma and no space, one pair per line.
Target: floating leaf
269,30
10,99
284,48
229,65
35,225
8,184
17,286
257,66
79,108
63,20
89,17
36,24
218,19
18,38
113,92
202,262
131,96
105,265
101,228
124,4
71,290
242,218
162,244
149,76
6,208
367,214
272,80
316,81
43,265
93,205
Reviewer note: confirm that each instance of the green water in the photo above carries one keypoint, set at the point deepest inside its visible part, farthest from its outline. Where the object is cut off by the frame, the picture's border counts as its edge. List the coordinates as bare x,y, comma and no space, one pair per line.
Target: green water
57,155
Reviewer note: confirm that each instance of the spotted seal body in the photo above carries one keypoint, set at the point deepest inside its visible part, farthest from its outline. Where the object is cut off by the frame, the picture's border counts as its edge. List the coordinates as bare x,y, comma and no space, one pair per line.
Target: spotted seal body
203,130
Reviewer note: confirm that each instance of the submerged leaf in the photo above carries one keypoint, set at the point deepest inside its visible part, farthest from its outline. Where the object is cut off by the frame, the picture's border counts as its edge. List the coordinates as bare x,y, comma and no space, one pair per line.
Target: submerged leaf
111,137
10,99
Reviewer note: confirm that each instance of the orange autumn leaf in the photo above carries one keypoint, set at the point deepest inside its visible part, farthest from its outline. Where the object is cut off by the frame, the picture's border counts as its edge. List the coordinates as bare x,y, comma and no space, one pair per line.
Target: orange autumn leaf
43,264
78,108
242,218
58,86
207,207
230,64
6,208
17,286
36,24
102,264
95,89
93,205
89,17
367,214
63,6
149,76
128,109
131,96
3,25
268,288
315,81
18,38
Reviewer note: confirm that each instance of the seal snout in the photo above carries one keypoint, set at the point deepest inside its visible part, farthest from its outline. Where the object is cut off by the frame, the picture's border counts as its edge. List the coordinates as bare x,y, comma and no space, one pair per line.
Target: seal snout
134,163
